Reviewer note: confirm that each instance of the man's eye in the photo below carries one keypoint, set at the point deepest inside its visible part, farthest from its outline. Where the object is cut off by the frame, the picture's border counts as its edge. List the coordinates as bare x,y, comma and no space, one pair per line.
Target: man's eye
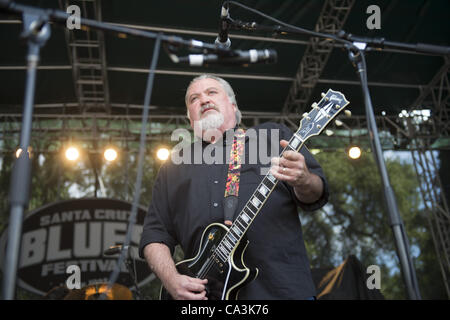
193,99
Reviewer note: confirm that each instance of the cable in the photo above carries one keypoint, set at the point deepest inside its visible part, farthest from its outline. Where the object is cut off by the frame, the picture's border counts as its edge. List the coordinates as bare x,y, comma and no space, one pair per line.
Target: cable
294,28
145,115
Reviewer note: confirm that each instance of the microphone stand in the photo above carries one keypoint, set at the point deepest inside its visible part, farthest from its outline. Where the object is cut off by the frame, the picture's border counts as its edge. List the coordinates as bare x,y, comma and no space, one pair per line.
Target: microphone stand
357,57
401,240
356,47
382,43
37,32
130,262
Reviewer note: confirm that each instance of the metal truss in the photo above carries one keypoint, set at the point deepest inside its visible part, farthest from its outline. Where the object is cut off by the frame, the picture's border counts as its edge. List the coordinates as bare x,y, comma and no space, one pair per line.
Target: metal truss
91,127
437,210
246,76
92,117
123,128
436,95
86,49
53,132
332,18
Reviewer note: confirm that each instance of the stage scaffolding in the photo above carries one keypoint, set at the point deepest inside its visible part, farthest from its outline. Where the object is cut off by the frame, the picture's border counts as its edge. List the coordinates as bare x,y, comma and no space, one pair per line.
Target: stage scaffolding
93,117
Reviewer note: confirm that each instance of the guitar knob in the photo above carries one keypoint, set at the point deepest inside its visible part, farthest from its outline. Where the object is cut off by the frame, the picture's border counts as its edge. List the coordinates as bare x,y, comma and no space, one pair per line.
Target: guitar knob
323,95
314,105
338,122
348,113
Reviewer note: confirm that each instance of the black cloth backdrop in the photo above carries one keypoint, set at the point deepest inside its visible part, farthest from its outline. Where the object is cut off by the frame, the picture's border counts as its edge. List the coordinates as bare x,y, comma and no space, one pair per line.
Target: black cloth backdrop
345,282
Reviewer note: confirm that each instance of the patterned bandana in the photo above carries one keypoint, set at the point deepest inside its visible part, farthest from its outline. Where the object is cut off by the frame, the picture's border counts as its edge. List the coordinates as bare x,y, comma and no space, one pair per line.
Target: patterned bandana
233,178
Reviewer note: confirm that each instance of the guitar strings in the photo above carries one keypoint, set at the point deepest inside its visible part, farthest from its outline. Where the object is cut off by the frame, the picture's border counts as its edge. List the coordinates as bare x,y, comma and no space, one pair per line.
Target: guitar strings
210,263
208,267
215,254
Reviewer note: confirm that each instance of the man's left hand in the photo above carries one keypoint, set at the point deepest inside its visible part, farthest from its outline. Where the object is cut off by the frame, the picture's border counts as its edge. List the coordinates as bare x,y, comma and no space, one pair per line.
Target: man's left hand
292,168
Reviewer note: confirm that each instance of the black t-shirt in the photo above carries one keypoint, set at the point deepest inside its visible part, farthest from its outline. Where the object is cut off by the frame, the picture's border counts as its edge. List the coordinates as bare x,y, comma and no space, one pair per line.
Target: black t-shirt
188,197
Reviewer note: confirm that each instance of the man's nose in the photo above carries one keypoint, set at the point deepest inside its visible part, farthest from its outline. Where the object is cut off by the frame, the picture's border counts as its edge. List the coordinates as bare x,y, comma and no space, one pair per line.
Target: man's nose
204,99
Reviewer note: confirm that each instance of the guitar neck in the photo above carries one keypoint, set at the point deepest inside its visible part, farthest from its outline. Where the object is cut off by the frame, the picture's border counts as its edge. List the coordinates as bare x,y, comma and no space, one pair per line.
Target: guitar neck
253,206
312,124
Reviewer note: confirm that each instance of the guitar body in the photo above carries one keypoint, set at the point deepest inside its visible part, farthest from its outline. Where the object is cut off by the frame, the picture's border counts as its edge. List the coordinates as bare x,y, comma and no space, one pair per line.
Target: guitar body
225,279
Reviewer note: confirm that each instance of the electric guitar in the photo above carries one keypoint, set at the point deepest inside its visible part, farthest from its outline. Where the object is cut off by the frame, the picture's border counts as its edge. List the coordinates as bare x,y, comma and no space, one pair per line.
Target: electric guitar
220,257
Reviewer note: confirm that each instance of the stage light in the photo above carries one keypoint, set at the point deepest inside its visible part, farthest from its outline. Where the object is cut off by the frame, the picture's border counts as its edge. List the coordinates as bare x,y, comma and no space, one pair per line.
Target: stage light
72,154
110,154
354,152
19,152
163,154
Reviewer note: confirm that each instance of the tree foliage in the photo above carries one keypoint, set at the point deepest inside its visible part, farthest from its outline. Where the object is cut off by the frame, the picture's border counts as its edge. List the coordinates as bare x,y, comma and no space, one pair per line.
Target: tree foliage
54,178
356,222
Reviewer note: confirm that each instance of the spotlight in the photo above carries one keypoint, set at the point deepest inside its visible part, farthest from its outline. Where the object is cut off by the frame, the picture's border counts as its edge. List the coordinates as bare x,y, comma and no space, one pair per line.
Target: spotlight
72,154
354,152
19,152
163,154
110,154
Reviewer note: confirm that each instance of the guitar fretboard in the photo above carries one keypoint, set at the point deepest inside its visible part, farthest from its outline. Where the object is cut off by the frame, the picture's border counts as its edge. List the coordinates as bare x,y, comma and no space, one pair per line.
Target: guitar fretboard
253,206
312,124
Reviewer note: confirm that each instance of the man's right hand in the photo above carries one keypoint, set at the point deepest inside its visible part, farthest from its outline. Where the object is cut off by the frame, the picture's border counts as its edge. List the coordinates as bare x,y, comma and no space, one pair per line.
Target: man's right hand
179,286
183,287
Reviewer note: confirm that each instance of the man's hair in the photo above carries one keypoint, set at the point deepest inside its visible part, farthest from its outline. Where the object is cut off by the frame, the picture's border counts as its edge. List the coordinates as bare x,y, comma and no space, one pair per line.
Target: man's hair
226,86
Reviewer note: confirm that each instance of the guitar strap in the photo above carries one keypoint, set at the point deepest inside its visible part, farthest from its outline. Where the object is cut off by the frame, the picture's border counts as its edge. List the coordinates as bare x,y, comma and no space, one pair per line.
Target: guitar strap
233,178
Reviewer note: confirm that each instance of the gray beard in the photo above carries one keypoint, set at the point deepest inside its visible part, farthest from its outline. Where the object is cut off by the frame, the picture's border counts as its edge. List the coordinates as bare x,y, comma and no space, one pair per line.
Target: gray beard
211,121
207,127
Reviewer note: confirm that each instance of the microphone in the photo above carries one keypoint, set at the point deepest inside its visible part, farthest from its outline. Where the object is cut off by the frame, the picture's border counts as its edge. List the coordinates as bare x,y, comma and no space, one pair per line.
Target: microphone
223,39
239,57
114,250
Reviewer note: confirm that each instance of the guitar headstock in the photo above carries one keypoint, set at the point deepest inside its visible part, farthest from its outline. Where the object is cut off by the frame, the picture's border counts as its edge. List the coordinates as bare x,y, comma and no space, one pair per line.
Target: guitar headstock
322,113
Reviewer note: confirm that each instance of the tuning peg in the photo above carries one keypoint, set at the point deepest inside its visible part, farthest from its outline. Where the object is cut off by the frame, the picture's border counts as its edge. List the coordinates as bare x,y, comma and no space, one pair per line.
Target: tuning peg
324,96
338,122
314,105
348,113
